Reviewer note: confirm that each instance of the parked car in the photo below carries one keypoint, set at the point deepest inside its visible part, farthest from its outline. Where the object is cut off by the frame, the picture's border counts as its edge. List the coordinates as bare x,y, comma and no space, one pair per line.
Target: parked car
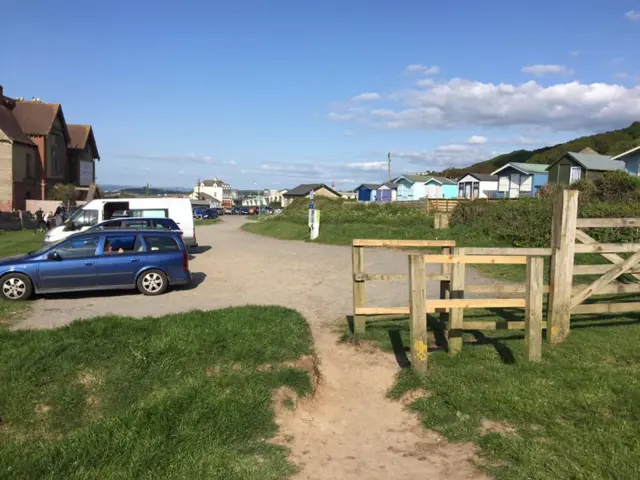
227,210
147,260
209,213
96,211
127,222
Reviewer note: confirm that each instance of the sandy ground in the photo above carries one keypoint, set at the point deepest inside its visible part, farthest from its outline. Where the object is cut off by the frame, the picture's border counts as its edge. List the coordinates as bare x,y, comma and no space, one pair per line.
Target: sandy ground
350,429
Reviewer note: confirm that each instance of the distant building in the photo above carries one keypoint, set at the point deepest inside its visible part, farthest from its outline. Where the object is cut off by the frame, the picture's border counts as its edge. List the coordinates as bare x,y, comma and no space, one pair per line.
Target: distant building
572,166
478,185
517,179
214,188
304,190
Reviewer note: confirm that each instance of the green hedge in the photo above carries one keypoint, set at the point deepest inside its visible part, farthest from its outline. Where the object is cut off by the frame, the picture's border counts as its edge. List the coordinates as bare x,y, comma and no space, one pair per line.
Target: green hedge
526,222
345,212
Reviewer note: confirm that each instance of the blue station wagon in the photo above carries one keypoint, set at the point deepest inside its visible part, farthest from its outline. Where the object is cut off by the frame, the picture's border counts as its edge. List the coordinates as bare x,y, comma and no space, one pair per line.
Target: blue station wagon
150,261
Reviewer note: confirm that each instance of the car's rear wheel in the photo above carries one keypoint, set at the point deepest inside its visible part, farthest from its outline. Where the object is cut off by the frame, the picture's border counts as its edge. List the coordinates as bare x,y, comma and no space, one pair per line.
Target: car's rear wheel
16,287
153,282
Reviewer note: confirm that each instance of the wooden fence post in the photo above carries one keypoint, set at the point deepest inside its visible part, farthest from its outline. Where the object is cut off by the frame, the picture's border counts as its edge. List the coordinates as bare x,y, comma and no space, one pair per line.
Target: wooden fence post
417,301
563,246
445,291
533,310
456,315
357,259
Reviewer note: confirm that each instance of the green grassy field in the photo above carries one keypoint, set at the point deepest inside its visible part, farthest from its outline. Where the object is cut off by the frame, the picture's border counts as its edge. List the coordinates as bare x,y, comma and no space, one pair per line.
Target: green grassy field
180,396
573,415
20,242
203,222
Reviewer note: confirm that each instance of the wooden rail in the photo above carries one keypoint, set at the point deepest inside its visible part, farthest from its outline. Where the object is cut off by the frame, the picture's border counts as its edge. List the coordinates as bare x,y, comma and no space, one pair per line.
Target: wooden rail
420,306
360,277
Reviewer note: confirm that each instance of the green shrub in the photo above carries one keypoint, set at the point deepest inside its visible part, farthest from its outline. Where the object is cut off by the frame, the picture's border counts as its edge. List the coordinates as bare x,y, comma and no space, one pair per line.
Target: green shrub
526,222
617,186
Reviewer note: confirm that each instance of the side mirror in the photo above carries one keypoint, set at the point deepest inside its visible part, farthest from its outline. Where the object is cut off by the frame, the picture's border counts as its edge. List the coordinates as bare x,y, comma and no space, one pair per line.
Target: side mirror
54,256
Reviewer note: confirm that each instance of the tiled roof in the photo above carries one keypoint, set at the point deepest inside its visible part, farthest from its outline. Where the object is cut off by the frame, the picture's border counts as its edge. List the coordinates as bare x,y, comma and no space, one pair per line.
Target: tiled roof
36,118
11,128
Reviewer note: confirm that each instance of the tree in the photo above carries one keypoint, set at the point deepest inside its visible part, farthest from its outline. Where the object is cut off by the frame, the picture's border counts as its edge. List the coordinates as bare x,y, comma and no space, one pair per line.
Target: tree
66,193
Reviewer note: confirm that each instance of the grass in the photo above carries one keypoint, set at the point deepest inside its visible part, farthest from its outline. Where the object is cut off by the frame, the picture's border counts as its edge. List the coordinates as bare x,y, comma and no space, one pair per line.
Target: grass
19,242
207,221
180,396
573,415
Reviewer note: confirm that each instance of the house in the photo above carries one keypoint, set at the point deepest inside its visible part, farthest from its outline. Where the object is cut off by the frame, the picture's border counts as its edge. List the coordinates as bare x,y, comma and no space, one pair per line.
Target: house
303,191
417,187
517,179
441,187
631,159
18,159
366,192
477,185
411,187
83,152
573,166
214,188
348,195
45,125
387,192
274,196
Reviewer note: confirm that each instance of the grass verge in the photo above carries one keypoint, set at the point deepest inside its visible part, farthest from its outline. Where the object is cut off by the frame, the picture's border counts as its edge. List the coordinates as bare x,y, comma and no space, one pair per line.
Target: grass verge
573,415
207,221
19,242
180,396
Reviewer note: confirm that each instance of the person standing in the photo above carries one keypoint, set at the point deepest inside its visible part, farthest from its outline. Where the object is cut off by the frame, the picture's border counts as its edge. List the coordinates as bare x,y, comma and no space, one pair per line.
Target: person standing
47,220
39,221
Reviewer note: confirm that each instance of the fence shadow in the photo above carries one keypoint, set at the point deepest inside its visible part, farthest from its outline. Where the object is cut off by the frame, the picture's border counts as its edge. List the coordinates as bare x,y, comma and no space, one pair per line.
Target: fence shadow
504,352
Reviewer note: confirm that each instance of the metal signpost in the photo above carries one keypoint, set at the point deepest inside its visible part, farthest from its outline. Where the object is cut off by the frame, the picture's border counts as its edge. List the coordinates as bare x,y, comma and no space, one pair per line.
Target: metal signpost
314,219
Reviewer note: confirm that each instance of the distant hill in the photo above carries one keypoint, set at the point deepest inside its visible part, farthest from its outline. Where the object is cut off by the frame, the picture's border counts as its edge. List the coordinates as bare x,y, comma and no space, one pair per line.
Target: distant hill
607,143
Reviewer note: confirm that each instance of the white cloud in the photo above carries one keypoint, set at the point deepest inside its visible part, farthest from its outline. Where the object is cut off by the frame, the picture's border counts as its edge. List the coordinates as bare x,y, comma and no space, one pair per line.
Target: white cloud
186,158
632,15
446,156
366,97
521,140
477,139
542,70
459,103
422,69
368,166
426,82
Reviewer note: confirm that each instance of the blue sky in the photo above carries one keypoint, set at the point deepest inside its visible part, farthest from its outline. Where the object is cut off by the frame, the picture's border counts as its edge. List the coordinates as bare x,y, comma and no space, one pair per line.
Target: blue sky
276,93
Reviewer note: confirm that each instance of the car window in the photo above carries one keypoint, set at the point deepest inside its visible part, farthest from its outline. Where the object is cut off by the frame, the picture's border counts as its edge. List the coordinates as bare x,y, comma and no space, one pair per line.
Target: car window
109,225
166,224
114,244
137,223
78,247
83,218
161,244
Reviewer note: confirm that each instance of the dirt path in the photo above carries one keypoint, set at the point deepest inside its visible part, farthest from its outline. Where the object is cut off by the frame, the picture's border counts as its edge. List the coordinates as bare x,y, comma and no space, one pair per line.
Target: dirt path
350,430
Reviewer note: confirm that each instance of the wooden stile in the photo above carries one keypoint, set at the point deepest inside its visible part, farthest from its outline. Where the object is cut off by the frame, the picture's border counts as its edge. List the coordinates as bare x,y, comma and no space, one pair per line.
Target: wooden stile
471,259
456,315
418,296
563,236
403,243
612,257
538,252
357,259
607,222
533,311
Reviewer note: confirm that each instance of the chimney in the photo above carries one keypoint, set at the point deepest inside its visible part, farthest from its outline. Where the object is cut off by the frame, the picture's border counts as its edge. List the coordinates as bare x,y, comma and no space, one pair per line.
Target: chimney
1,91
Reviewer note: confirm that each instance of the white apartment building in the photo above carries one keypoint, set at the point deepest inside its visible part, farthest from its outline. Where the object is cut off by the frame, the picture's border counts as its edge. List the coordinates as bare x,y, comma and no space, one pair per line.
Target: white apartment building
214,188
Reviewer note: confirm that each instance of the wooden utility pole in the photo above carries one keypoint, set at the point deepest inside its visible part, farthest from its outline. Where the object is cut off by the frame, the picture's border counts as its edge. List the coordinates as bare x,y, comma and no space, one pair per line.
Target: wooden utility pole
389,165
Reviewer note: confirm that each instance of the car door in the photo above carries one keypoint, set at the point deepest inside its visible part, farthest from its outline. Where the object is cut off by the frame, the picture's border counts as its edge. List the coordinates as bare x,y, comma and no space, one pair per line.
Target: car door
74,268
118,260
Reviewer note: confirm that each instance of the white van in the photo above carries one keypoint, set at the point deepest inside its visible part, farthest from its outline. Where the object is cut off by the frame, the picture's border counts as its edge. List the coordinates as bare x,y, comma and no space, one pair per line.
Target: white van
96,211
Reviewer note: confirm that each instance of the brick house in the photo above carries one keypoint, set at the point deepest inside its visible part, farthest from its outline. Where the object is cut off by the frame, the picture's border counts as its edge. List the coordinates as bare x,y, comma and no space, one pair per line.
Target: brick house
83,152
39,150
45,125
19,158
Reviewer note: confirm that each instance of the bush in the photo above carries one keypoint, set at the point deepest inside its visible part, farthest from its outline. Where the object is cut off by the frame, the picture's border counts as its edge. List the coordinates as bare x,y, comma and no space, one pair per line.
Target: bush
526,222
618,186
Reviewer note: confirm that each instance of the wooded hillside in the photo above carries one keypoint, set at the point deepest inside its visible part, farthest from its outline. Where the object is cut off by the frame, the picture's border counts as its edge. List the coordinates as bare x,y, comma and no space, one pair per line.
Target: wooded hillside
607,143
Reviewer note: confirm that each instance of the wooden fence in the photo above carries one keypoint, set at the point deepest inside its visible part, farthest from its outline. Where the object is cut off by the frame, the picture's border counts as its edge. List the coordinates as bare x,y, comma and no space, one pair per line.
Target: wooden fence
565,298
454,306
442,204
360,277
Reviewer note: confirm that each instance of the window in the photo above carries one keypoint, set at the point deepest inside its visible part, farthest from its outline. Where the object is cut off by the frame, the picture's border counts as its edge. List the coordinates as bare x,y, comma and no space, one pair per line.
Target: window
29,166
121,244
78,248
161,244
165,224
82,218
503,183
149,213
135,223
576,174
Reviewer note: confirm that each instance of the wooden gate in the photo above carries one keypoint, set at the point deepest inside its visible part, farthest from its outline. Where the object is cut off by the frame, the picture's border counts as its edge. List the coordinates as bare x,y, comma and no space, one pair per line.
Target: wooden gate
564,298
